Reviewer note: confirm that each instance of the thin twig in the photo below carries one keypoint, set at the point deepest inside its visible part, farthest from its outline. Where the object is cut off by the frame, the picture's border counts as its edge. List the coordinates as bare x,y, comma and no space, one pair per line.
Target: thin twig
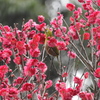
83,58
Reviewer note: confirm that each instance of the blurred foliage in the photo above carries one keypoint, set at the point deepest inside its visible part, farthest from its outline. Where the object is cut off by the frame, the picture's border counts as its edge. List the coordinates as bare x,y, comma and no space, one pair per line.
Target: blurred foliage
13,11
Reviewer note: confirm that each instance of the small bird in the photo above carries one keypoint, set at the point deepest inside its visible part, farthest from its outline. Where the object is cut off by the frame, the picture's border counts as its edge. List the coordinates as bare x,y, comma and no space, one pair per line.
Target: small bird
53,51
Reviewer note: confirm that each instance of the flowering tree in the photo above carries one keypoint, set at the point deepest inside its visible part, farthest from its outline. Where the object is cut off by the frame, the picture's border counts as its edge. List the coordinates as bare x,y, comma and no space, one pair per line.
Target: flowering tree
80,42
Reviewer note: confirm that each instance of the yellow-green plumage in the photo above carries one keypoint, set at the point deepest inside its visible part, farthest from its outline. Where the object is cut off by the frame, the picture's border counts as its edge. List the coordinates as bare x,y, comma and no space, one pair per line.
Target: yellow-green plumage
53,51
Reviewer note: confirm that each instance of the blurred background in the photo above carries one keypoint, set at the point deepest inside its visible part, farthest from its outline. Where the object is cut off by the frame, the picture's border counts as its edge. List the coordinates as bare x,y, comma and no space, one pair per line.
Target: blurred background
13,11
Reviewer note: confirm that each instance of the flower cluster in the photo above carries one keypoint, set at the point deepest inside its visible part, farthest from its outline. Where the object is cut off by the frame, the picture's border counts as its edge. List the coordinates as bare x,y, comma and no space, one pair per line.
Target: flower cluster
28,50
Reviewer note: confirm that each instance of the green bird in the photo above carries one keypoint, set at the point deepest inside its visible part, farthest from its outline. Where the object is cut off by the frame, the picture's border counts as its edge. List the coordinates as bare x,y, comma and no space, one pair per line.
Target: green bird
53,51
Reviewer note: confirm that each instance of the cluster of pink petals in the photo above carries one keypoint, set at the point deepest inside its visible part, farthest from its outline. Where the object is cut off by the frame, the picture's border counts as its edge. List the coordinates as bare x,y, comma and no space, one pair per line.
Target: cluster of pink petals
86,96
48,84
3,69
69,93
71,54
52,42
28,71
97,73
27,86
9,93
70,6
41,18
86,75
61,45
86,36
